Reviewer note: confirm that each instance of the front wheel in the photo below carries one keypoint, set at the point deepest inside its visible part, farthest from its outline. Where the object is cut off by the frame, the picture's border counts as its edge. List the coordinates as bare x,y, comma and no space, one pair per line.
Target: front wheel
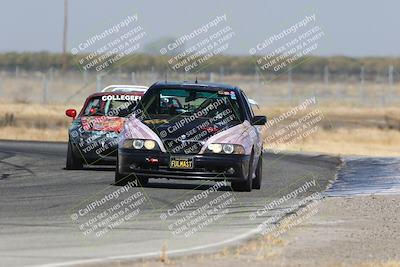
143,181
121,179
247,185
73,162
258,179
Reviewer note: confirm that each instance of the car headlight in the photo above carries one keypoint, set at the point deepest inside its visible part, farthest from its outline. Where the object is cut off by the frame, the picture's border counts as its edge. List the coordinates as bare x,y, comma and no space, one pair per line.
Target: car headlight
149,144
228,148
140,144
225,149
216,148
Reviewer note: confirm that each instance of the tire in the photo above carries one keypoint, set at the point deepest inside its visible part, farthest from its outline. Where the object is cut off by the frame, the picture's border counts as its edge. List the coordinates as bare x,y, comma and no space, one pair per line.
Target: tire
73,162
121,179
258,179
143,181
247,185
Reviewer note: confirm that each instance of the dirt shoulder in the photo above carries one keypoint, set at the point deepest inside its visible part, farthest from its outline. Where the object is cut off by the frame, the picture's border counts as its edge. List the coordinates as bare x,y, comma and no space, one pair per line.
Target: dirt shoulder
345,232
357,231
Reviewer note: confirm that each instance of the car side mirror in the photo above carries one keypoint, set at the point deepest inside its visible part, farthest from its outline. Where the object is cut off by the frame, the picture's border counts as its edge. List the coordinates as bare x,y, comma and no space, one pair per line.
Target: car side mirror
259,120
71,113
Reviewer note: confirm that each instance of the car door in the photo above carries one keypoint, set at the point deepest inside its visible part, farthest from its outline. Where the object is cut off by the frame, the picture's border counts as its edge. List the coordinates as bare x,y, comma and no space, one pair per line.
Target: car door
257,130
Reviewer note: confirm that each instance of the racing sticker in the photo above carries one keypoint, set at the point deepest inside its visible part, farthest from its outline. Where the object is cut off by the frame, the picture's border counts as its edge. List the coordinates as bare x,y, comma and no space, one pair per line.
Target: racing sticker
121,97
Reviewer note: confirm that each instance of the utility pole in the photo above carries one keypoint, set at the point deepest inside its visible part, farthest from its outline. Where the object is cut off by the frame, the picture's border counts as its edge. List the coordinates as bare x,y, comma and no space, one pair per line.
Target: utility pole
65,34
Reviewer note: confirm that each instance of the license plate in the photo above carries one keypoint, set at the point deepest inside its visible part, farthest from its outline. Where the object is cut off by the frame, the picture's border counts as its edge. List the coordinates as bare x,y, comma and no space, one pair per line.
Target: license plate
181,163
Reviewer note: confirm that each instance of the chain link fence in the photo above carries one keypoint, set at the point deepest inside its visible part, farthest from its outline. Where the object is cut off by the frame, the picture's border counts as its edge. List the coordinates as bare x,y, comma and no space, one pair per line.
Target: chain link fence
287,88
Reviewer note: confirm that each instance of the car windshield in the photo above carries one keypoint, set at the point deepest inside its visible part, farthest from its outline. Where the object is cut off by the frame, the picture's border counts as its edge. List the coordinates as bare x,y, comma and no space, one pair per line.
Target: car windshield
164,103
111,105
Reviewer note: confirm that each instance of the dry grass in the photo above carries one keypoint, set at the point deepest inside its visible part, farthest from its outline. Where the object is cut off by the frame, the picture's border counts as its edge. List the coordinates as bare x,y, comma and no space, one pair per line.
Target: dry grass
34,122
341,112
346,130
49,123
362,141
25,133
37,112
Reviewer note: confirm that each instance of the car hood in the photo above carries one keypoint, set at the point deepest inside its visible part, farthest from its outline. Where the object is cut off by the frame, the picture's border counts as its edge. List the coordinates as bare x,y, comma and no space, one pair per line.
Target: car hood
199,129
162,131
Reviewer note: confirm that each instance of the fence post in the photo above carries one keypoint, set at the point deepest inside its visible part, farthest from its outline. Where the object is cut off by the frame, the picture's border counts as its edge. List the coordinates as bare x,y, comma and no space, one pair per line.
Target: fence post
51,74
211,77
45,88
119,74
326,75
362,78
390,75
16,71
98,82
390,81
153,75
84,76
257,75
133,78
290,91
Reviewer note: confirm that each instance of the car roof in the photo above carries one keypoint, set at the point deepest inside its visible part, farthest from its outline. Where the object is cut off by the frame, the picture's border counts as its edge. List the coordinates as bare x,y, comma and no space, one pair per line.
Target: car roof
121,90
125,88
195,85
117,93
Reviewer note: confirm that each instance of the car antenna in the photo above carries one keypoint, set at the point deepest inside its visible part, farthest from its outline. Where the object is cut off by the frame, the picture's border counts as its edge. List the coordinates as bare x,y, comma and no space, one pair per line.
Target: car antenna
165,77
195,80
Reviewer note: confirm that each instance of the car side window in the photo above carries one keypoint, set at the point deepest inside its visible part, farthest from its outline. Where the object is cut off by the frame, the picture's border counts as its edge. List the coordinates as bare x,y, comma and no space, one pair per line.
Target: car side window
248,104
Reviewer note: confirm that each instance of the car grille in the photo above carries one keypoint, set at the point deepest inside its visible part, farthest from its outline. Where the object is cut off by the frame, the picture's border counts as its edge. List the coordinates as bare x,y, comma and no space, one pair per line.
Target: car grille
174,146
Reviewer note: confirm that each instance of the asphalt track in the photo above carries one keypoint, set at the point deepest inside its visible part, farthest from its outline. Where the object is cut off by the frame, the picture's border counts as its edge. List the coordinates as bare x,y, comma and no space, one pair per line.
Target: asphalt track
39,199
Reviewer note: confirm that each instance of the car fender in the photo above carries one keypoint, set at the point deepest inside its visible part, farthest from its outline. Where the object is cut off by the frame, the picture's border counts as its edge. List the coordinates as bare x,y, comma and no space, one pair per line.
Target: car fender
243,134
134,128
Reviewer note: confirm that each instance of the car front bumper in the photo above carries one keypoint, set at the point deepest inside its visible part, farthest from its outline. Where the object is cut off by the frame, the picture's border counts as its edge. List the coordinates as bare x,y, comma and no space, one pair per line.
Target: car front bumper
206,166
96,154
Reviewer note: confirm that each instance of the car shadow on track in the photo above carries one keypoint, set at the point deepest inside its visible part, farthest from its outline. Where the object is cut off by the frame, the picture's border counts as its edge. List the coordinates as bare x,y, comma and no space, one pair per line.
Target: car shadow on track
183,186
94,168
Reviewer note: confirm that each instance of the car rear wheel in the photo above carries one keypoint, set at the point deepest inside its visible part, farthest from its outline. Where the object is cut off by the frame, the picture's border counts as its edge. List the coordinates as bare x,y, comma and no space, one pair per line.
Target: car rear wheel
246,185
258,179
73,162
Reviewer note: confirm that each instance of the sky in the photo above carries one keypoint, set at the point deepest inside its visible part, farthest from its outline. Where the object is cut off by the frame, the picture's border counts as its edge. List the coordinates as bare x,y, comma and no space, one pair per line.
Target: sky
351,28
